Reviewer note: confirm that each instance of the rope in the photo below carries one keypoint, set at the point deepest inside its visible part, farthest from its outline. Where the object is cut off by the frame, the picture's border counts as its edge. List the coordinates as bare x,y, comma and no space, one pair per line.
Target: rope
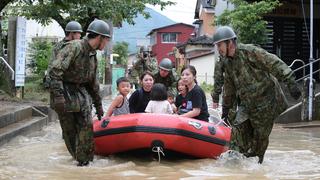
158,150
222,121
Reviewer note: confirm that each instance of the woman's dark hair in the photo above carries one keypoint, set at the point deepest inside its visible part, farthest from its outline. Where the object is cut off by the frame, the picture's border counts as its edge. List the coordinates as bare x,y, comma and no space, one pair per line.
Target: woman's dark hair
158,92
192,70
146,73
121,79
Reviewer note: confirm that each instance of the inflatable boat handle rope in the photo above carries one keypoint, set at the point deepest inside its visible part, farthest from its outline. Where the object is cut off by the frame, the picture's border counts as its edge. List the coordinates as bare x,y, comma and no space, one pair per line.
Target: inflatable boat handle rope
221,120
158,150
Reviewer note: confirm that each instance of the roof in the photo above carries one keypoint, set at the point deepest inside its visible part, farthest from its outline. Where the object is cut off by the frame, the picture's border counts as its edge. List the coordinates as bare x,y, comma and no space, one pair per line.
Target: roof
201,40
199,54
163,27
197,21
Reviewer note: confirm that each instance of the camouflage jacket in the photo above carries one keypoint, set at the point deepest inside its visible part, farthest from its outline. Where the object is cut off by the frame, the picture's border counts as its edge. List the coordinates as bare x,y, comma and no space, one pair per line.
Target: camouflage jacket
170,82
142,65
74,75
218,80
58,46
252,75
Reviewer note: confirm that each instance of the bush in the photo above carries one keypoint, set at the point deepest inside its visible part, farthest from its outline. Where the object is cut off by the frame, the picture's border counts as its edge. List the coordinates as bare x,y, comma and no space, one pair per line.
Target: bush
40,53
206,87
34,90
101,68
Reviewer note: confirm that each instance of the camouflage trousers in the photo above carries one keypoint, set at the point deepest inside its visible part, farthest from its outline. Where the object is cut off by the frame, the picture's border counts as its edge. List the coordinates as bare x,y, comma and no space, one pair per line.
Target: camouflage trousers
251,137
77,132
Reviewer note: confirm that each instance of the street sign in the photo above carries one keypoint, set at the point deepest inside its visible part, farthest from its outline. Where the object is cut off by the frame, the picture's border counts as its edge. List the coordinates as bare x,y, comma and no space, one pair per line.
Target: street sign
20,52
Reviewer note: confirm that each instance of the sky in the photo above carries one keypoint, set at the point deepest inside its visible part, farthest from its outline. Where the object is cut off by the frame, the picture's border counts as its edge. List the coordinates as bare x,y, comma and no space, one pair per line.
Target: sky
182,11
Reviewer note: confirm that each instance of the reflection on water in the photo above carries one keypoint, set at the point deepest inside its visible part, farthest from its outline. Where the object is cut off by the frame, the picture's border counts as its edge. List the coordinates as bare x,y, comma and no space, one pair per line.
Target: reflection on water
292,154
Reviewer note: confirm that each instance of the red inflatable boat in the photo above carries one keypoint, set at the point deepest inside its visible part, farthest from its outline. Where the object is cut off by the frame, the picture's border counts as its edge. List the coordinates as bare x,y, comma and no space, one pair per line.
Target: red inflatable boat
169,132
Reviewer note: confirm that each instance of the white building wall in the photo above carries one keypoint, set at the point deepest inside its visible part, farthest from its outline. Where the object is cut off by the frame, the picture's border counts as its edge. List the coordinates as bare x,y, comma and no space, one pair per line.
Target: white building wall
205,68
221,5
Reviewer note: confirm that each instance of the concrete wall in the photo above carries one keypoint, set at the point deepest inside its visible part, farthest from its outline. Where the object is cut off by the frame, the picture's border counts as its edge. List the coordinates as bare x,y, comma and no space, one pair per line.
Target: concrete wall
293,114
205,68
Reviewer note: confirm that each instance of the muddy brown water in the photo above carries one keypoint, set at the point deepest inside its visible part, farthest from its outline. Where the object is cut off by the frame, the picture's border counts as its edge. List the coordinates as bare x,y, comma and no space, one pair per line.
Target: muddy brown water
292,154
42,155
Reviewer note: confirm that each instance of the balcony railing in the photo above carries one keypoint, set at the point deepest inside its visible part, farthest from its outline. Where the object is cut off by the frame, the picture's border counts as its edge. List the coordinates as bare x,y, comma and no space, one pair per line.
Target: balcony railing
303,67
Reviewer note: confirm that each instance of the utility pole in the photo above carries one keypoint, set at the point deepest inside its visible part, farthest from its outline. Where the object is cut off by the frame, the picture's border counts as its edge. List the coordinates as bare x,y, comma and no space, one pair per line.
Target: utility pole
311,62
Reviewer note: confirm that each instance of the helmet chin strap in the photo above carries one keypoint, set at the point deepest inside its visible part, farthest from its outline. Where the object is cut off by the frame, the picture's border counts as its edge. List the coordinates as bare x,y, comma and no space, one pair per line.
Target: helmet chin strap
227,47
72,37
227,53
100,42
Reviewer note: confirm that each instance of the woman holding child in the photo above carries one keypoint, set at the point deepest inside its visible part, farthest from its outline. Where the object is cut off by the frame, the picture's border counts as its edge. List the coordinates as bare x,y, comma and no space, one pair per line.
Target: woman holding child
196,100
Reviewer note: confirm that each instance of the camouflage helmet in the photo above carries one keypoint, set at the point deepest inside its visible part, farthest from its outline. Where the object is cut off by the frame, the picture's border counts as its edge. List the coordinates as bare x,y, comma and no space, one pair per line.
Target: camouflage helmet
99,27
144,49
73,26
165,64
223,33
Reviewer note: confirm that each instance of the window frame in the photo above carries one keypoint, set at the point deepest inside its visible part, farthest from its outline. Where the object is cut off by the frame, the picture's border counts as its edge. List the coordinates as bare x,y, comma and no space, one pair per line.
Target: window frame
170,34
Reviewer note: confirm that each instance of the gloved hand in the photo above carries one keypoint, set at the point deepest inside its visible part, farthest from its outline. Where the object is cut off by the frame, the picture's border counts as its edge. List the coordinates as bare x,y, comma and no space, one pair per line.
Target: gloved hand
225,112
99,112
59,103
224,116
294,91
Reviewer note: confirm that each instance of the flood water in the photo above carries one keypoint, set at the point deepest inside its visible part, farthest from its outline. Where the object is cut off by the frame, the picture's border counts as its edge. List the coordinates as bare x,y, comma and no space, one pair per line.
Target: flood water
292,154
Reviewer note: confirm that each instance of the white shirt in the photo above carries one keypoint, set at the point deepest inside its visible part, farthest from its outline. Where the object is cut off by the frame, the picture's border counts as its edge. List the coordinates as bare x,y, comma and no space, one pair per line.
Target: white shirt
159,107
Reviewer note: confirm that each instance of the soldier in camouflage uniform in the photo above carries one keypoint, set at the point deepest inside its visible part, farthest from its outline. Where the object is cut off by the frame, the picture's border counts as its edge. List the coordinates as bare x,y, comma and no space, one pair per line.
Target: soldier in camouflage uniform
145,63
251,75
228,115
73,83
167,76
73,31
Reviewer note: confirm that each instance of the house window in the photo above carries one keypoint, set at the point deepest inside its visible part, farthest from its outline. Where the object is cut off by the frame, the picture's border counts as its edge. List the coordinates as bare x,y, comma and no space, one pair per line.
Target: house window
212,2
169,37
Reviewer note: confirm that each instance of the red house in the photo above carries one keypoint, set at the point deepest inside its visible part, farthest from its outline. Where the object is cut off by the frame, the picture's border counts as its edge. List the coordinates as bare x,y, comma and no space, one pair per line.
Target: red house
163,39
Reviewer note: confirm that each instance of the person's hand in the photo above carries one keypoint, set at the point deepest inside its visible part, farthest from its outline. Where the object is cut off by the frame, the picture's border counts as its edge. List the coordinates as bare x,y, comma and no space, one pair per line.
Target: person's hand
225,112
294,91
215,105
99,112
59,103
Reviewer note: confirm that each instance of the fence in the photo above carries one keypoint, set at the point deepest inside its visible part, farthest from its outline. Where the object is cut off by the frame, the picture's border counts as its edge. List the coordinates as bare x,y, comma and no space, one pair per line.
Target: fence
207,78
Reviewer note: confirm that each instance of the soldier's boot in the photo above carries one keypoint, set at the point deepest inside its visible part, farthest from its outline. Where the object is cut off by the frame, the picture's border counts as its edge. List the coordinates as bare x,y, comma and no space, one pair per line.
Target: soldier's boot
260,159
83,163
261,145
251,152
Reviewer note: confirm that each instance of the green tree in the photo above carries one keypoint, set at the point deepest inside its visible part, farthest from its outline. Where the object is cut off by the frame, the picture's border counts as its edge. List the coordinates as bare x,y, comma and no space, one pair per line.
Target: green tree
40,53
83,11
121,48
101,68
247,20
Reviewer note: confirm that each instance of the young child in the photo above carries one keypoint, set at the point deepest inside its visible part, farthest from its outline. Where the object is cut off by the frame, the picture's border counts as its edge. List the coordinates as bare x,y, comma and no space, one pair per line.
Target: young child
171,101
181,102
158,100
120,105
